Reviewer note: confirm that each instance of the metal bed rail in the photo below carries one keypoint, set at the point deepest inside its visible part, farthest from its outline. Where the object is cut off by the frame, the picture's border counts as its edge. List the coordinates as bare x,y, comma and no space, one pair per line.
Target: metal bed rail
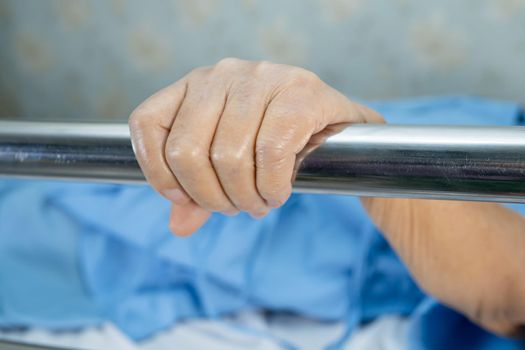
436,162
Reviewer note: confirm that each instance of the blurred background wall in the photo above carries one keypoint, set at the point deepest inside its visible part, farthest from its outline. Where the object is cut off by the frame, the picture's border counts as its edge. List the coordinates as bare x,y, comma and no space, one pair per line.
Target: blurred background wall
80,59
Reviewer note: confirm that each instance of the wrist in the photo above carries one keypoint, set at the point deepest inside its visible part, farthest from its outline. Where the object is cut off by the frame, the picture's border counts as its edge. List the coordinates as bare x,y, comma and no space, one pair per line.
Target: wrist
399,220
391,215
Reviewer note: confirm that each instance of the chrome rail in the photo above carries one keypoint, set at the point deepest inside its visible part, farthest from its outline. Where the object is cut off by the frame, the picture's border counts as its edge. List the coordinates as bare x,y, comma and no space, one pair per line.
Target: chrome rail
437,162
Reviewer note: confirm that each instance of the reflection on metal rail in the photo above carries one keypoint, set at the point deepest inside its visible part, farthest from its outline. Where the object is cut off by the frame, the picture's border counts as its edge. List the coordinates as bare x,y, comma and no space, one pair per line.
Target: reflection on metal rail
438,162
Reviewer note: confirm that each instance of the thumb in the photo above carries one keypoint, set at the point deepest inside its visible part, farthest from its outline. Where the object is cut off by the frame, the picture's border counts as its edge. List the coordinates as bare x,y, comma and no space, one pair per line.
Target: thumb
187,218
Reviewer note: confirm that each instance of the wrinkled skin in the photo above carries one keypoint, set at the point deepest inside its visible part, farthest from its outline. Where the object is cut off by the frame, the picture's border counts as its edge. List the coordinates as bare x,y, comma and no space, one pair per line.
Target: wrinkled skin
225,139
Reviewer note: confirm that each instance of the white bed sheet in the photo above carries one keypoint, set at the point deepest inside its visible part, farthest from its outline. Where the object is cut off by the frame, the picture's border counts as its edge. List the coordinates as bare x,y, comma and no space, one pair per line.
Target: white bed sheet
247,330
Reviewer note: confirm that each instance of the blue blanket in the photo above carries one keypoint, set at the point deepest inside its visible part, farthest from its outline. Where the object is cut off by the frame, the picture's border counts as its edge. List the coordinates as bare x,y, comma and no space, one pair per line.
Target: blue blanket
74,255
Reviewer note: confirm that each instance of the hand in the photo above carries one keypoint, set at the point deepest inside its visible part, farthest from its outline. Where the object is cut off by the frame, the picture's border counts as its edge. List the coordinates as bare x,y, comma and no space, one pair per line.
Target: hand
225,138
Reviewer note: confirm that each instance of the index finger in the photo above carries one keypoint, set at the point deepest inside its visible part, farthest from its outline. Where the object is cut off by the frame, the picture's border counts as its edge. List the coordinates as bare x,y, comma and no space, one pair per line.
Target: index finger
150,124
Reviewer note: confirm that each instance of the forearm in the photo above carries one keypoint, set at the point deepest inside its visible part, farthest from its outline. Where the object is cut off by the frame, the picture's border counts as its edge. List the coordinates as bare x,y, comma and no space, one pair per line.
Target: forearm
470,256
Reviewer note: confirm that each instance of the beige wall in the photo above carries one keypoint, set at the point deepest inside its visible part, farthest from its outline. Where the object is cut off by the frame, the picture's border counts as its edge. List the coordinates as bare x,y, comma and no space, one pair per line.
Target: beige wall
97,59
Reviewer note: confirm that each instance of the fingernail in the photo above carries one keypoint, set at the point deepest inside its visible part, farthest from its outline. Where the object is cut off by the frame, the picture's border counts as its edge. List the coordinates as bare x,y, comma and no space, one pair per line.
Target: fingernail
231,212
274,203
259,215
176,196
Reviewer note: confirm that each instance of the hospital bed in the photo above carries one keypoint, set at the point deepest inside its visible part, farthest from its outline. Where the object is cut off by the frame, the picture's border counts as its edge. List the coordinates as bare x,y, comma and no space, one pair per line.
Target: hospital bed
435,162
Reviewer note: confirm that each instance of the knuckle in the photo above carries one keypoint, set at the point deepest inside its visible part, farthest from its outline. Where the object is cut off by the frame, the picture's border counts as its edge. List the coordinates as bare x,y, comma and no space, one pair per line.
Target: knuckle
228,63
197,72
229,159
200,70
268,155
181,156
138,119
262,67
301,77
161,184
175,154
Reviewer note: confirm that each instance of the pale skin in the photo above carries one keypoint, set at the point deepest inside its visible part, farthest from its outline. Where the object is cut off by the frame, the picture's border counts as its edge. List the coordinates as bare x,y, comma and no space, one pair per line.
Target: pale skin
225,139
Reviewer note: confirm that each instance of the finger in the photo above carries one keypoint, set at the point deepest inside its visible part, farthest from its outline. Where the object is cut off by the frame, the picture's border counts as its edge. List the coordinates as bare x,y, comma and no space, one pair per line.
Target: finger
188,144
186,219
232,151
149,126
286,128
367,115
340,110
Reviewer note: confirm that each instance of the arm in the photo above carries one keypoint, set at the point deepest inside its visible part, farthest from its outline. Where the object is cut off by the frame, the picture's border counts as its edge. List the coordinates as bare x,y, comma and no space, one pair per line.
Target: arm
225,139
470,256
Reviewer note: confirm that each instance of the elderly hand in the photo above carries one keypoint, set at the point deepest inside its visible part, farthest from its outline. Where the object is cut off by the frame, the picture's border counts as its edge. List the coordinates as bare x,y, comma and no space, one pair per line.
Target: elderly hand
225,138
